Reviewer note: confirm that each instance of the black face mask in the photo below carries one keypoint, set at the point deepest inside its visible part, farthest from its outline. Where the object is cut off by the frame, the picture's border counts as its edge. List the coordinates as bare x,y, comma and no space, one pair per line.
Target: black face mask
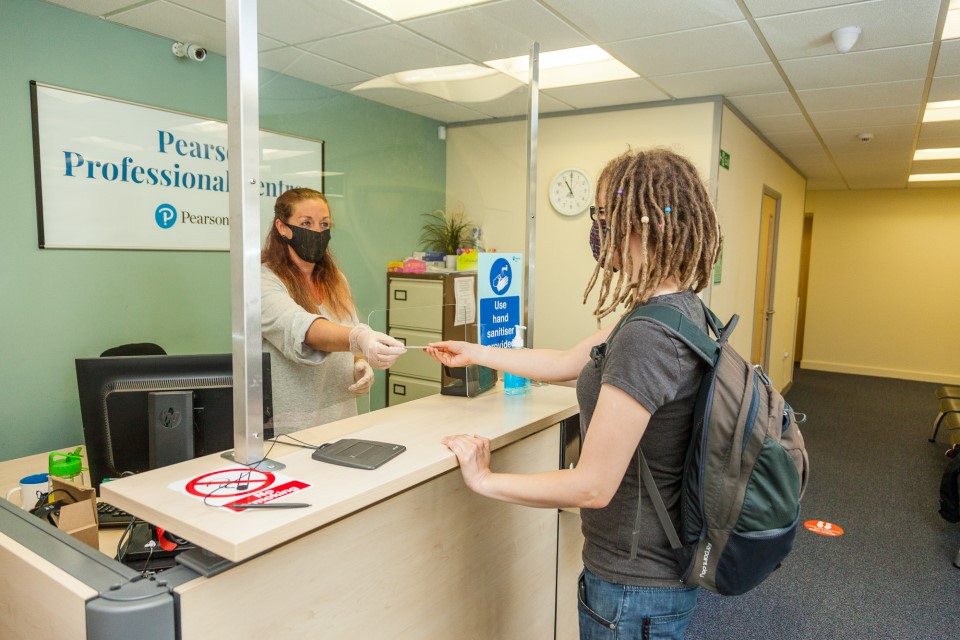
597,229
309,245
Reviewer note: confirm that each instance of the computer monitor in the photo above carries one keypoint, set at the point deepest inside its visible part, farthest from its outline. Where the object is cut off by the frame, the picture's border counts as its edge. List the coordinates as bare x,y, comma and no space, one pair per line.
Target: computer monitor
143,412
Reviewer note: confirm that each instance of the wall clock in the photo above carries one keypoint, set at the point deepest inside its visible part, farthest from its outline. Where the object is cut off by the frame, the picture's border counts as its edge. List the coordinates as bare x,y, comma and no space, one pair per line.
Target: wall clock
571,192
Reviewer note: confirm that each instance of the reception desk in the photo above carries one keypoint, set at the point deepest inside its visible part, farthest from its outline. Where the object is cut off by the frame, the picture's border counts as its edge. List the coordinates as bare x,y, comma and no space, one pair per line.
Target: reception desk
402,551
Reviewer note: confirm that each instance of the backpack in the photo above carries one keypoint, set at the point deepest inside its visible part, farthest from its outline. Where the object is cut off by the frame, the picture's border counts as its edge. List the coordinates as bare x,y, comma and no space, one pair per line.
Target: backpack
745,470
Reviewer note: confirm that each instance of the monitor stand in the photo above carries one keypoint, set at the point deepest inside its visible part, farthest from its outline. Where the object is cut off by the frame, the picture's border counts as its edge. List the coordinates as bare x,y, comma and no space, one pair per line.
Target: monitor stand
264,464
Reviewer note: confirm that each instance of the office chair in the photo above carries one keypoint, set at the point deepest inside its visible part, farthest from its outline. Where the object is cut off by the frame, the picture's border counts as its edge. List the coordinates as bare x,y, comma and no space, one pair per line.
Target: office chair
135,349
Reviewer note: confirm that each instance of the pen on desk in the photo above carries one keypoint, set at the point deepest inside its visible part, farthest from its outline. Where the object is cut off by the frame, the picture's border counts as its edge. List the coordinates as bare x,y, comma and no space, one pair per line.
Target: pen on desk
408,346
272,505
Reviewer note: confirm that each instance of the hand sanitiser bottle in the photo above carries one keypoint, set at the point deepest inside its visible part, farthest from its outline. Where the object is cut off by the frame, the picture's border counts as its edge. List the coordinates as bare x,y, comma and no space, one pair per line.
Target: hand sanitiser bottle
516,385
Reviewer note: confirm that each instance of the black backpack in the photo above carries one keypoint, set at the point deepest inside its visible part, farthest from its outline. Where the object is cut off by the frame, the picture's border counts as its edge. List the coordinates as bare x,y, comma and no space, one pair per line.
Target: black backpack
745,471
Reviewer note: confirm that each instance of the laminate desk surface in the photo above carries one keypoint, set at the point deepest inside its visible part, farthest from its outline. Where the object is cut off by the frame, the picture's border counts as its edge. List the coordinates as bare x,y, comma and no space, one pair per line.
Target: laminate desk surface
337,491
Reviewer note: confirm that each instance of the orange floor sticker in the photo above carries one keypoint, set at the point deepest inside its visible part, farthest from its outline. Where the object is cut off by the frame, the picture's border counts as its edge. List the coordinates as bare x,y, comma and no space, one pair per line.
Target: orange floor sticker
823,528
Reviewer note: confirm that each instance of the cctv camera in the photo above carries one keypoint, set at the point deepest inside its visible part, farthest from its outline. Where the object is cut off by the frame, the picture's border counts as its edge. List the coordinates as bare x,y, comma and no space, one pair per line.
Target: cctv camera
192,51
865,137
199,54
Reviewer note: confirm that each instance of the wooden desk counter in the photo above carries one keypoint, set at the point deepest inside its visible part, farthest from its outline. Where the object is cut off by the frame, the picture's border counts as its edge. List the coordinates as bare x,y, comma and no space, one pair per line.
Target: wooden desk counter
337,491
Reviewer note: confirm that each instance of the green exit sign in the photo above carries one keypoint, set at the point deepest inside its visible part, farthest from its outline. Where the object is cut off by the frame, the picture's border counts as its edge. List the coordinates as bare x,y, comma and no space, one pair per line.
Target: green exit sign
724,159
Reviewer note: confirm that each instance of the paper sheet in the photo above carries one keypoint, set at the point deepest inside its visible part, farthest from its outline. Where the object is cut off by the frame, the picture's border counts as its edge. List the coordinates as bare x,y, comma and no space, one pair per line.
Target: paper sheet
466,303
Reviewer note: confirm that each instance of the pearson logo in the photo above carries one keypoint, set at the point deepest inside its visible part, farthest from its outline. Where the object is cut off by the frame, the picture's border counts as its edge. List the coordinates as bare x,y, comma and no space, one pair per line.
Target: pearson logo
165,215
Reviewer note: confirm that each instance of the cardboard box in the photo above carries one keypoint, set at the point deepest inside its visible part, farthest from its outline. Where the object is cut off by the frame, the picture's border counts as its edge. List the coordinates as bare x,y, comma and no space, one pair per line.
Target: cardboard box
78,514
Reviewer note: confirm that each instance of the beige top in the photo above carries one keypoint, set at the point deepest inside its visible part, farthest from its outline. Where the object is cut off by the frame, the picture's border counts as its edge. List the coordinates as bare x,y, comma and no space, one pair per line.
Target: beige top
309,386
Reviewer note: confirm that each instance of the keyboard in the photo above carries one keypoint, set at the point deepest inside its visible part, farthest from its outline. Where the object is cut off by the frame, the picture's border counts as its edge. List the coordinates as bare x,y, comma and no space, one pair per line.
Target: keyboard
110,516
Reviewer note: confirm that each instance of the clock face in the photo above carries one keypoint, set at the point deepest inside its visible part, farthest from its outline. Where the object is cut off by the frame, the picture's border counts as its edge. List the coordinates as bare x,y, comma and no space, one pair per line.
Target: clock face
571,192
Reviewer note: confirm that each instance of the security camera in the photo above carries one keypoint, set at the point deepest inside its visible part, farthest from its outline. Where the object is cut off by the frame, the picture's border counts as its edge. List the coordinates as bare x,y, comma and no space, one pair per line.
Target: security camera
192,51
864,137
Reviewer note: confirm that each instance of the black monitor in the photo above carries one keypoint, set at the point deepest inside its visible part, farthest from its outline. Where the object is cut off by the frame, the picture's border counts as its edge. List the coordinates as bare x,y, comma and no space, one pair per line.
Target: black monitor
144,412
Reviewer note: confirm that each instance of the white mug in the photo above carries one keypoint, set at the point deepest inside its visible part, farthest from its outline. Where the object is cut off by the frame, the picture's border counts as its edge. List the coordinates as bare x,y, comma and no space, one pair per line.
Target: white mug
30,489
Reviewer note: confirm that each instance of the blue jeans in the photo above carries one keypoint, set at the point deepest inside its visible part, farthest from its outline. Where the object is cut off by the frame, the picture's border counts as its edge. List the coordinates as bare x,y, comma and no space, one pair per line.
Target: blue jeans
611,611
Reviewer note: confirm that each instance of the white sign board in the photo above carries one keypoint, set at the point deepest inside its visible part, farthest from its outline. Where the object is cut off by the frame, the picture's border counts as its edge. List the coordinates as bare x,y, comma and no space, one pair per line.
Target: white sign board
117,175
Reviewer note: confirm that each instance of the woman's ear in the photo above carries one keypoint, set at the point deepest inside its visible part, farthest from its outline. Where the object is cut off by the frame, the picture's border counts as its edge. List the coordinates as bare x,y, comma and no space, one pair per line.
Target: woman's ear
280,227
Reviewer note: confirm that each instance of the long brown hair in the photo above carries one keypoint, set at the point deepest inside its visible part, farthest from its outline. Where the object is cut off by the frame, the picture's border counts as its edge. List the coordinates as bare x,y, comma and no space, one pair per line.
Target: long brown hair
658,194
327,285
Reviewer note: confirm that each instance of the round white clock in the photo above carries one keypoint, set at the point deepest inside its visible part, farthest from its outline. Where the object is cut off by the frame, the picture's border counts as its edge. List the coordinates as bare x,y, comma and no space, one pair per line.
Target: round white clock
571,192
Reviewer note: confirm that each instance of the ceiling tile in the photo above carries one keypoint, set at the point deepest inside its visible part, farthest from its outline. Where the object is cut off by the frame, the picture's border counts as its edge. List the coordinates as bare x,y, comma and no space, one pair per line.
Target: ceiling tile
364,50
312,68
781,123
297,21
785,139
95,7
176,23
948,60
885,23
863,96
900,137
765,104
734,81
498,30
517,104
627,19
935,166
759,8
606,94
866,67
945,88
728,45
930,132
875,117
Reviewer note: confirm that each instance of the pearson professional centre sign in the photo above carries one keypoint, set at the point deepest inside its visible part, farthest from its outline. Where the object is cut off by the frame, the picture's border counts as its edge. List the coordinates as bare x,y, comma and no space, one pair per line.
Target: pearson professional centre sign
117,175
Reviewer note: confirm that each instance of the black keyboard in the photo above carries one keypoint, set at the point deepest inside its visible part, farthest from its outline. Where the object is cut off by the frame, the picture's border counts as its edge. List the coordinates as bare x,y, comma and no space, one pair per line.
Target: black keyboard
110,516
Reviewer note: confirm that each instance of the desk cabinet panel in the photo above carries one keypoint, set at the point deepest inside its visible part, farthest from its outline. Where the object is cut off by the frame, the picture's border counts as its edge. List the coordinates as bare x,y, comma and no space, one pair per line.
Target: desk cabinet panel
421,308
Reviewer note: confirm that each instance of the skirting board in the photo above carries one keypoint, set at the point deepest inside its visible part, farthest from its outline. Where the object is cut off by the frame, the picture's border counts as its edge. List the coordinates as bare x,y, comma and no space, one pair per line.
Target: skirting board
900,374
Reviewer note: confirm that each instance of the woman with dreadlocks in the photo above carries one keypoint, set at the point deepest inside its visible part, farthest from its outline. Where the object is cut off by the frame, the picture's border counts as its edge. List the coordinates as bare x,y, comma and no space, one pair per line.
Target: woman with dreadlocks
655,236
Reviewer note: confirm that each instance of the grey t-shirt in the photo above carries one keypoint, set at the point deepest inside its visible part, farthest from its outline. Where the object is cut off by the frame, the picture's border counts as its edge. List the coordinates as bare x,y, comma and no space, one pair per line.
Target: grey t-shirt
663,374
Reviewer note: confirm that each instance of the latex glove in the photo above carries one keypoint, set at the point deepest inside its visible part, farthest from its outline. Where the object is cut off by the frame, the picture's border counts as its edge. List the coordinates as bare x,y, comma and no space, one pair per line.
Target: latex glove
379,349
362,376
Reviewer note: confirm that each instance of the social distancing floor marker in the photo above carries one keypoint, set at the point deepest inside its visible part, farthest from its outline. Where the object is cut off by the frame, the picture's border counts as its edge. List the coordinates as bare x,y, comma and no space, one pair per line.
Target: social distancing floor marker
238,485
823,528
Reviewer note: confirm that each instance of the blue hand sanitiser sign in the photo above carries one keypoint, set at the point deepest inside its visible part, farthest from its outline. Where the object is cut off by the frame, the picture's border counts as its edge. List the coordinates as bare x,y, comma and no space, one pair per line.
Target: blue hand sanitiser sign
500,291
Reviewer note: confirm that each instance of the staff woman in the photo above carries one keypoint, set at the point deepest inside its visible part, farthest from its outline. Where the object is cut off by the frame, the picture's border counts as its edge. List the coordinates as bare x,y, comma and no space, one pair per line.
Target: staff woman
321,357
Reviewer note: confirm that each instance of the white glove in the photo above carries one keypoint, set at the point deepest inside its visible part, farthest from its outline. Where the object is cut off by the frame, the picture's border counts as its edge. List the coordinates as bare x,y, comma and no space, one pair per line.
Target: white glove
363,378
379,349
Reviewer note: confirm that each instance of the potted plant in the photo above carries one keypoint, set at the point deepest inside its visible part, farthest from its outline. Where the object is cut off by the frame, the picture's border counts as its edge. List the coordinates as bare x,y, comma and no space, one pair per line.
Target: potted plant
446,232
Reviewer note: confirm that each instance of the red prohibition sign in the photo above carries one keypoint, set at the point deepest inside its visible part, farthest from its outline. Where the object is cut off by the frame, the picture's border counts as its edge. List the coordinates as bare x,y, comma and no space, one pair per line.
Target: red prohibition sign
213,484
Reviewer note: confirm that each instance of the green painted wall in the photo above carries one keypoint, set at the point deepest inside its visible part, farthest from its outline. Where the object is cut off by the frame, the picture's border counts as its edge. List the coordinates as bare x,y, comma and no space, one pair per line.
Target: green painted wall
62,304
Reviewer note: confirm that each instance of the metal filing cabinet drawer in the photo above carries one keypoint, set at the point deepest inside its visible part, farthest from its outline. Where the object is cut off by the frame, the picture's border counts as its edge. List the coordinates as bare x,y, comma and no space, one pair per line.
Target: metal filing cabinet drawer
416,362
416,304
403,389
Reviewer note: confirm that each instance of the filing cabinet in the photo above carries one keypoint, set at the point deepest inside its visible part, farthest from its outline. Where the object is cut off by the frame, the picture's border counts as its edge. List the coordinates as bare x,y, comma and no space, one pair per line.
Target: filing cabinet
421,308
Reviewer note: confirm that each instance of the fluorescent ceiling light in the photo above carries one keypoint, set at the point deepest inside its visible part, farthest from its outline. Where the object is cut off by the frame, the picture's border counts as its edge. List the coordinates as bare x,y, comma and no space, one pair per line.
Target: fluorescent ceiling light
567,67
951,29
934,177
942,111
937,154
458,83
403,9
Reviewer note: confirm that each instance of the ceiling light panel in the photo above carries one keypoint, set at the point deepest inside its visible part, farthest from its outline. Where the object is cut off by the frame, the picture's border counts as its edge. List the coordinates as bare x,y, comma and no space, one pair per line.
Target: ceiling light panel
937,154
406,9
951,29
934,177
567,67
942,111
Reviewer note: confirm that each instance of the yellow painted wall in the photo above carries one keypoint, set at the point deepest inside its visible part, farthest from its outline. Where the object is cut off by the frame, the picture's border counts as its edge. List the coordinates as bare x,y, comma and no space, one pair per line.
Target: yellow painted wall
883,298
486,170
754,166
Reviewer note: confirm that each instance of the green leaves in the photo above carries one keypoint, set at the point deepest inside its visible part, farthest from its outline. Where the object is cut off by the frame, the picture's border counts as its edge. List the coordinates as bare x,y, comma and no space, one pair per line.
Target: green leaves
446,232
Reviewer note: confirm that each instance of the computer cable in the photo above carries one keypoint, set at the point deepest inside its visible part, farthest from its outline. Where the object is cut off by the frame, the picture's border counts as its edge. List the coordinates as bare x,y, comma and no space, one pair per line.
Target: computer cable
295,443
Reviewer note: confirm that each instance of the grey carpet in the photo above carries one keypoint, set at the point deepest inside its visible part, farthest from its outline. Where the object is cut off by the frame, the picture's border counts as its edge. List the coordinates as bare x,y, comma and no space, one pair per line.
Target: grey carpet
873,473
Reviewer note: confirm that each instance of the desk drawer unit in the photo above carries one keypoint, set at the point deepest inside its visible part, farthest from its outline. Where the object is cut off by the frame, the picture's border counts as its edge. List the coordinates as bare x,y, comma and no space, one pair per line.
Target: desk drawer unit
416,304
403,389
416,362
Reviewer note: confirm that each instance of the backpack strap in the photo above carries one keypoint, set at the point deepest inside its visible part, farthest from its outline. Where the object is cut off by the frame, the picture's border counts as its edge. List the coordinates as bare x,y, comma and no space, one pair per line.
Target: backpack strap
708,349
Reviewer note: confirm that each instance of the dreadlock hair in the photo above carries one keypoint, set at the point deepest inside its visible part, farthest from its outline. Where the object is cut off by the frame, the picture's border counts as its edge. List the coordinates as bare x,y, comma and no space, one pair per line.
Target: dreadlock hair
327,284
657,194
